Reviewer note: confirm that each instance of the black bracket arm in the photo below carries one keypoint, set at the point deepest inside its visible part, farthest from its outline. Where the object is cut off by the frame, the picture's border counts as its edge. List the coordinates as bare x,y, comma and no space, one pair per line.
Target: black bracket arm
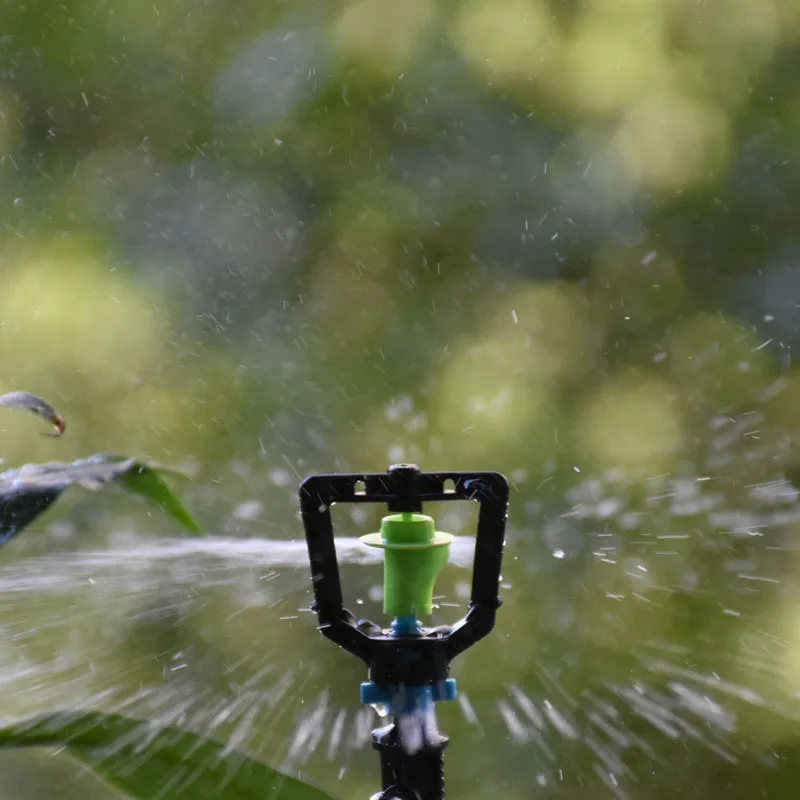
405,488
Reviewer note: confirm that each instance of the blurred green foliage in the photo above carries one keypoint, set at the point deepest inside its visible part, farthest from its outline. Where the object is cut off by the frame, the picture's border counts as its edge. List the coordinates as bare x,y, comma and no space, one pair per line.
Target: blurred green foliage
112,746
552,238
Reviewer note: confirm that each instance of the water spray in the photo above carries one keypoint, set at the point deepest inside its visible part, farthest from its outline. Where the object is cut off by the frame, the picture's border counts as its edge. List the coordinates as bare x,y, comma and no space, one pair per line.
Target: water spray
408,664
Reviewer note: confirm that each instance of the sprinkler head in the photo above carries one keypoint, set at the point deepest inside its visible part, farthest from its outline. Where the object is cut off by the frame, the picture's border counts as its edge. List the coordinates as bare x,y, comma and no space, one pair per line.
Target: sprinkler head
414,556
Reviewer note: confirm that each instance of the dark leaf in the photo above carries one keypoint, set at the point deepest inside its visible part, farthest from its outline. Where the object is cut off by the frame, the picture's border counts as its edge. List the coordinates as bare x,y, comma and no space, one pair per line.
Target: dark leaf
147,761
38,406
26,492
20,508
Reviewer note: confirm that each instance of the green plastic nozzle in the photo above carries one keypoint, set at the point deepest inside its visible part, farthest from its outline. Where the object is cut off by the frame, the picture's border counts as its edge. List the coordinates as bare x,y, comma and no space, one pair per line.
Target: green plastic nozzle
414,556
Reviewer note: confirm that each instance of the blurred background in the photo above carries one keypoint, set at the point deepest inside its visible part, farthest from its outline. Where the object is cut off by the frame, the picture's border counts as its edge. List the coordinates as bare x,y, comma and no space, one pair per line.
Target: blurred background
556,239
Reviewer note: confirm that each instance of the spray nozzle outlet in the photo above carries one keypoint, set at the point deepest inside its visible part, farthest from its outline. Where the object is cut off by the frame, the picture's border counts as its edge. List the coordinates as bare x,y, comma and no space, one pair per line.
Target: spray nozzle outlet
414,555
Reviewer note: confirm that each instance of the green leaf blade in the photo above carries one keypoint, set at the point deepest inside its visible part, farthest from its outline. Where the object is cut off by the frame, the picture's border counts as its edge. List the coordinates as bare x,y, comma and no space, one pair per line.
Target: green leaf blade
150,762
28,491
147,483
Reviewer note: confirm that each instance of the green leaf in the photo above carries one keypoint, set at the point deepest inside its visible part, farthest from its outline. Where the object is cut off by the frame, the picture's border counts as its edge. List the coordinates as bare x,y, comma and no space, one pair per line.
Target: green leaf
26,492
150,762
146,482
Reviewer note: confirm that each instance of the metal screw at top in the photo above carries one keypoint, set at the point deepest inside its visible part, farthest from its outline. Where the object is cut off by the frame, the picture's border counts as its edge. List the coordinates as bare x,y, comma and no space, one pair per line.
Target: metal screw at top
404,478
403,470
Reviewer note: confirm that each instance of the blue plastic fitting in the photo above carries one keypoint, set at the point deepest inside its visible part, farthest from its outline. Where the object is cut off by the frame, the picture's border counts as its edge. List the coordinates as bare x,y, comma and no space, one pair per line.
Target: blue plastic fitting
400,700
